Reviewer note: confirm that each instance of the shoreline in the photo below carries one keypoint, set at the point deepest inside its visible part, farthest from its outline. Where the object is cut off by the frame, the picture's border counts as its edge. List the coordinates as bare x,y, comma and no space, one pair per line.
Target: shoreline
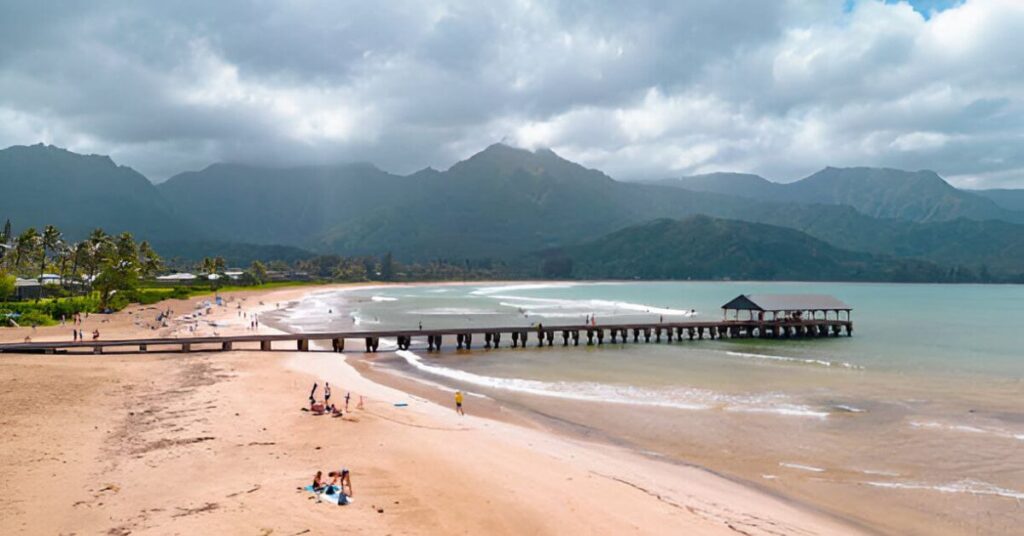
215,451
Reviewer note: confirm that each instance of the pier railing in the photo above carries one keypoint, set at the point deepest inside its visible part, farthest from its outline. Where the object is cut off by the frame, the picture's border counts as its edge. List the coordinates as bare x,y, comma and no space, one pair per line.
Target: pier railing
463,338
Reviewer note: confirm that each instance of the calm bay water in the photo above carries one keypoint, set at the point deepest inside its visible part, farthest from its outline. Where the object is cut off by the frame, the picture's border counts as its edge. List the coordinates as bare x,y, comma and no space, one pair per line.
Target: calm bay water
913,425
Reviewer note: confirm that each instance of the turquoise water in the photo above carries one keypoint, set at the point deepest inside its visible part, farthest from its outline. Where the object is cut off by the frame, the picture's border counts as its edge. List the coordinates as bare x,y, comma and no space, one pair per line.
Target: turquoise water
929,328
913,425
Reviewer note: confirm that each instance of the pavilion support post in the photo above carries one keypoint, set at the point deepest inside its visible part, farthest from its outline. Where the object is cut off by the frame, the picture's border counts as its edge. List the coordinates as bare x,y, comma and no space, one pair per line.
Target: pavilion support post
185,347
143,348
97,349
565,337
225,346
550,336
265,345
338,345
636,334
303,345
590,337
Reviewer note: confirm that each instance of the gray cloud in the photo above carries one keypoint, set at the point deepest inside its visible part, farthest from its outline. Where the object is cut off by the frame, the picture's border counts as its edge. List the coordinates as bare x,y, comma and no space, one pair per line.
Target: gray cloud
644,89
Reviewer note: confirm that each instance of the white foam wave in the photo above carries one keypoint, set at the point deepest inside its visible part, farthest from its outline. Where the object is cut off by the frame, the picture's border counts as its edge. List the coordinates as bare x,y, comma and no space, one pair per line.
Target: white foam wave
486,291
879,472
540,306
966,428
790,410
675,398
969,486
802,467
849,409
383,299
452,311
806,361
586,391
359,320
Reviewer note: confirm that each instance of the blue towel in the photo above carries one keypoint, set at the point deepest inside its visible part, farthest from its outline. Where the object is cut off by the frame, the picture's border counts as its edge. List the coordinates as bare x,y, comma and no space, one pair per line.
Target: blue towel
337,497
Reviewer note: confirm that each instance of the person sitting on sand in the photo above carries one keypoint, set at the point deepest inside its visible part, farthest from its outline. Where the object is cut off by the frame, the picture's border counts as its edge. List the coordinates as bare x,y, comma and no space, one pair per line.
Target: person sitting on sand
95,334
458,403
318,482
343,479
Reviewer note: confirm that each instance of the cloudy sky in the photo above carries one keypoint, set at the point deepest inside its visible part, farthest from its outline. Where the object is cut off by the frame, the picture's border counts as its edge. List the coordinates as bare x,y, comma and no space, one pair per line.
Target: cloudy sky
652,89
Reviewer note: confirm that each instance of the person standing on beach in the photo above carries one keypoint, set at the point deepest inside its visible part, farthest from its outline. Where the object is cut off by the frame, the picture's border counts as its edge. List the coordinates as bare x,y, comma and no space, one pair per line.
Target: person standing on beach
458,403
348,395
327,393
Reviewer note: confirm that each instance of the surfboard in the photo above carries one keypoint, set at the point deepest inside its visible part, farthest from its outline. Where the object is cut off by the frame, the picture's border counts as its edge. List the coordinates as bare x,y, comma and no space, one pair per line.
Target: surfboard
337,497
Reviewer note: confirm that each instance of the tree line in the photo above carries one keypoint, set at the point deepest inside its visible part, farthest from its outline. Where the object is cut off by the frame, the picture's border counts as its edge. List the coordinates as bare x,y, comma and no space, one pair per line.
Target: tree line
102,262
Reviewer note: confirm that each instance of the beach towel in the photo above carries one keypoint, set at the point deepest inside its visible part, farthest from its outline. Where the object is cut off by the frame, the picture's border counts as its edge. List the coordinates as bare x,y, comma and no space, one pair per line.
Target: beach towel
337,497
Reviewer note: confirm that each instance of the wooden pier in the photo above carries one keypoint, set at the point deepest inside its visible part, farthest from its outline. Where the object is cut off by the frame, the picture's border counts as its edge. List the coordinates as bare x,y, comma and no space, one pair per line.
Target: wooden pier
791,316
467,338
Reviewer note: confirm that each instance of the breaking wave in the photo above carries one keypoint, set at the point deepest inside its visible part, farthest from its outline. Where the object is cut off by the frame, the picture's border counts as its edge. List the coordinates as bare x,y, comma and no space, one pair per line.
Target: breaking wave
674,398
968,486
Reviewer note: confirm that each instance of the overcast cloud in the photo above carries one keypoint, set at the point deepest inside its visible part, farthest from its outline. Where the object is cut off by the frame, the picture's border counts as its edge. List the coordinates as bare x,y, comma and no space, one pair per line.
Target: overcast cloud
649,89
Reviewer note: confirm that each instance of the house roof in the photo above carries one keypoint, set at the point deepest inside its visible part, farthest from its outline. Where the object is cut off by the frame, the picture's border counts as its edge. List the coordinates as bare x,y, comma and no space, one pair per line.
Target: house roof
787,302
177,277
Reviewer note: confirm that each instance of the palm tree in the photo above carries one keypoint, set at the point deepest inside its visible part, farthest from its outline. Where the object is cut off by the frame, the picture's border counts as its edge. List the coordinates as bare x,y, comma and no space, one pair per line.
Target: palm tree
81,255
49,241
25,246
149,260
6,241
65,254
98,242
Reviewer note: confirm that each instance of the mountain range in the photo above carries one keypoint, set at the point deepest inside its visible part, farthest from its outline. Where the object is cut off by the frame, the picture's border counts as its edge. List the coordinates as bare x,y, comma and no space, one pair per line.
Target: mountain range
510,203
920,196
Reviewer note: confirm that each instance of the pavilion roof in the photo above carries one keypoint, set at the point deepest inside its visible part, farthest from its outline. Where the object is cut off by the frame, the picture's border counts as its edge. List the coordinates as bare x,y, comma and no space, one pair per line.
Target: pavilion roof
787,302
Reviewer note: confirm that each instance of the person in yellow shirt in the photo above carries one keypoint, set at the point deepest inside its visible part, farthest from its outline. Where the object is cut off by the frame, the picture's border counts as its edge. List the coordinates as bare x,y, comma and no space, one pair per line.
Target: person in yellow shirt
458,403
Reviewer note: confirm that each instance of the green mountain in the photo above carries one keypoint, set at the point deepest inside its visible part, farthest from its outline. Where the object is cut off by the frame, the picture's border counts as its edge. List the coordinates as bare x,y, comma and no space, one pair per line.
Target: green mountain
920,196
235,254
499,202
1005,198
44,185
701,247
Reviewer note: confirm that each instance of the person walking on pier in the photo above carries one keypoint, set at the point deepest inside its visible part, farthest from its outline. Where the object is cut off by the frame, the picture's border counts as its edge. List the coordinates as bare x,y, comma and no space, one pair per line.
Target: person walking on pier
458,403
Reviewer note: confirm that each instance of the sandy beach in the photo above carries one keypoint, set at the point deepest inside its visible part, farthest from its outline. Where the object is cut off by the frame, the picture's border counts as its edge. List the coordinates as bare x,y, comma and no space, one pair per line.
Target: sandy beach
218,443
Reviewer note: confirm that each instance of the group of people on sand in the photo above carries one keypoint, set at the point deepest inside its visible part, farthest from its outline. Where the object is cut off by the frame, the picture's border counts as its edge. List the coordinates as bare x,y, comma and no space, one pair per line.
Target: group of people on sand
319,408
78,335
340,480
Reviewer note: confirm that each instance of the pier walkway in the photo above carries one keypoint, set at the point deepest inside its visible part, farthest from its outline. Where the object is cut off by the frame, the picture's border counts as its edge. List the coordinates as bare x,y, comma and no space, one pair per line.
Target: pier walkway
486,337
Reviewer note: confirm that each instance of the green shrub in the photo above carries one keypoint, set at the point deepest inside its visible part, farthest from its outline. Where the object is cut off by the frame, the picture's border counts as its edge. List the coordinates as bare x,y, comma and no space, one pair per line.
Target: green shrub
35,318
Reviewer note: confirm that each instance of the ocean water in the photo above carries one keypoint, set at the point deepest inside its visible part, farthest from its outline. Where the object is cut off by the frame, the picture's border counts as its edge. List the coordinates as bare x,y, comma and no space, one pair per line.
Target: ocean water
915,425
